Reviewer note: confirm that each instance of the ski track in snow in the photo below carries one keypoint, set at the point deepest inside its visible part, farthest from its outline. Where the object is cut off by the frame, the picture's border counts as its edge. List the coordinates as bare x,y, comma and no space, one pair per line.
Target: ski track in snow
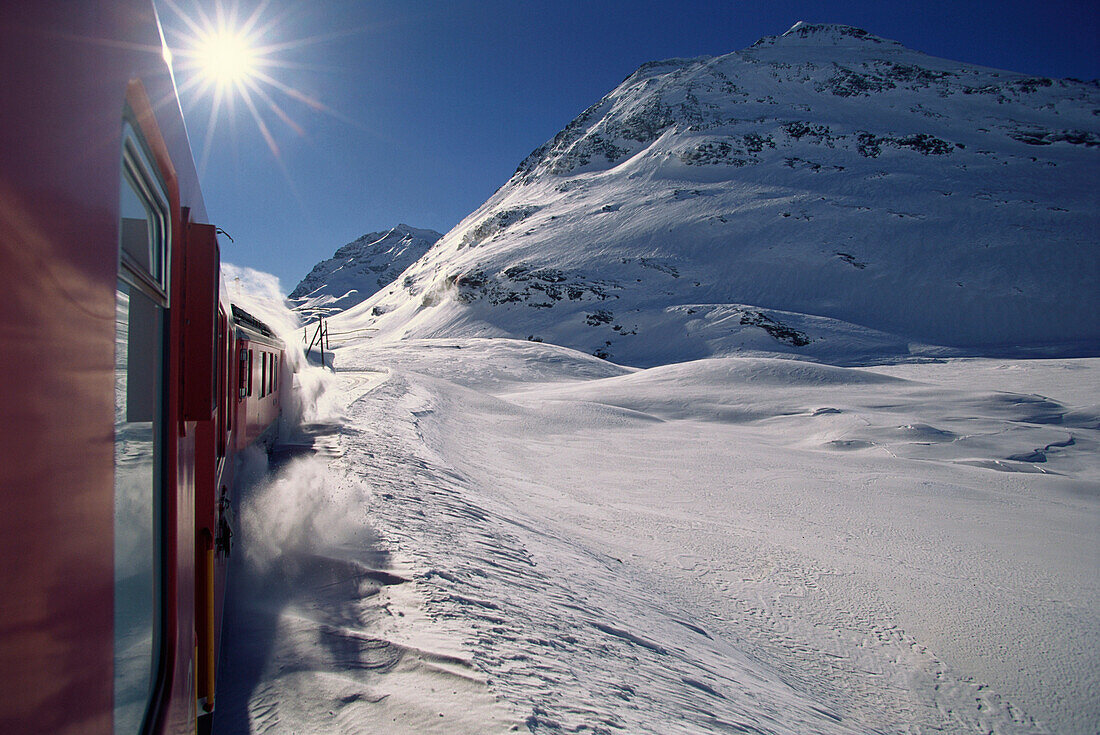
562,629
600,555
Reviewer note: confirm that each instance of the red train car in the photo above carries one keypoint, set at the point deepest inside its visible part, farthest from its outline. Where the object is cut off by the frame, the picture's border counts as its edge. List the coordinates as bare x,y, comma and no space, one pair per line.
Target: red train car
261,360
120,391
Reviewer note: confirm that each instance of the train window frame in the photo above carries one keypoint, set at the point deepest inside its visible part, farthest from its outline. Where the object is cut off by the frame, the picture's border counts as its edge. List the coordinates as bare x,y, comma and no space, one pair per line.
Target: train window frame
143,176
243,369
142,296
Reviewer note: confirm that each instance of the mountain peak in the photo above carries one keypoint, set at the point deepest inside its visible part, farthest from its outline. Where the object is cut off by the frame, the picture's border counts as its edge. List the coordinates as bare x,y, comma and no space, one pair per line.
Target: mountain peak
357,270
824,34
404,229
802,29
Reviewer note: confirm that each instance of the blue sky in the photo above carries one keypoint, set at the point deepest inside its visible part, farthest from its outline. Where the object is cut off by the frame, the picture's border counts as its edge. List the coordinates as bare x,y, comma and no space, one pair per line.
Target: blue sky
419,110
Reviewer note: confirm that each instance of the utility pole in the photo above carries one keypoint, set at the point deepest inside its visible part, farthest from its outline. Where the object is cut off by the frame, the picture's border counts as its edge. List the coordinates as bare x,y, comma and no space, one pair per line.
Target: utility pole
320,338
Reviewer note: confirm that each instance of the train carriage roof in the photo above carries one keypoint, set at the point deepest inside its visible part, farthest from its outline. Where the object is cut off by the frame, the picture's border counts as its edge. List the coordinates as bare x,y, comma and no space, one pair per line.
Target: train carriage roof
249,323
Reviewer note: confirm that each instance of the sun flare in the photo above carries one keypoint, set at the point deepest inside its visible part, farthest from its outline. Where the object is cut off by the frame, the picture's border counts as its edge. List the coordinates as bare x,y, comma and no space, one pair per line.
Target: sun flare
226,58
232,61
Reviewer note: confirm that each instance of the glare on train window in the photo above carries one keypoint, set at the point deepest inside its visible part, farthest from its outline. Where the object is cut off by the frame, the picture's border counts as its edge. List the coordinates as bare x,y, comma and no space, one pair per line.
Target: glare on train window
141,306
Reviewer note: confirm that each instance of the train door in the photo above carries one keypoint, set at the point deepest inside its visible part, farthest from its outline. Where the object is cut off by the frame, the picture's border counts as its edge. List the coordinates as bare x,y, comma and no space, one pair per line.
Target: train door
221,390
141,328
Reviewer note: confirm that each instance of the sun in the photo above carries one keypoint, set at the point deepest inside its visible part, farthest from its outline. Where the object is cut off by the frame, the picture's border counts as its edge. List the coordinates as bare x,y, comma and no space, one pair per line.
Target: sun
231,59
226,58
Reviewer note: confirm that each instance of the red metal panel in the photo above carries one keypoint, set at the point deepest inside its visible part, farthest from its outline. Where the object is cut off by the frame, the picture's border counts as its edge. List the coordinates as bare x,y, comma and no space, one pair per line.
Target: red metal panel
200,302
222,390
206,477
199,403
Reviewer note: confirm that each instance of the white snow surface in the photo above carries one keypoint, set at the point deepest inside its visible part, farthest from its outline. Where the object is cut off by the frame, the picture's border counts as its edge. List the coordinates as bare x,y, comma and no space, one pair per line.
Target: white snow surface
492,535
820,193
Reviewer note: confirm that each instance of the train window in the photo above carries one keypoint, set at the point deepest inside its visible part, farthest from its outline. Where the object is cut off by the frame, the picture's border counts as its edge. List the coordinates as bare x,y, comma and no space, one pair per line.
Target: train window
242,374
141,308
143,216
263,374
250,371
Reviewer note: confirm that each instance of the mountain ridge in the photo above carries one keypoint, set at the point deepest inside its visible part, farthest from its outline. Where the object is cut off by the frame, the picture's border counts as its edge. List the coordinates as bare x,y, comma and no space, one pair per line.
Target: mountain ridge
358,269
825,173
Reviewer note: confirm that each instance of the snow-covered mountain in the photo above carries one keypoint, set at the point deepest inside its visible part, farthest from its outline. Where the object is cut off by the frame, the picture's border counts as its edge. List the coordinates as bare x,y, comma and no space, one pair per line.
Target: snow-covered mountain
824,192
357,270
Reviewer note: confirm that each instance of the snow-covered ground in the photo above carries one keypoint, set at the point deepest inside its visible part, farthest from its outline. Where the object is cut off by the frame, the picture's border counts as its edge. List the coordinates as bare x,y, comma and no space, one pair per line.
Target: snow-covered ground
494,535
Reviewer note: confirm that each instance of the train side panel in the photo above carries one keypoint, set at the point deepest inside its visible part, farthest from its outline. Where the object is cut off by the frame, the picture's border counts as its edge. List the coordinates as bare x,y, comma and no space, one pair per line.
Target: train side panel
260,364
121,390
75,72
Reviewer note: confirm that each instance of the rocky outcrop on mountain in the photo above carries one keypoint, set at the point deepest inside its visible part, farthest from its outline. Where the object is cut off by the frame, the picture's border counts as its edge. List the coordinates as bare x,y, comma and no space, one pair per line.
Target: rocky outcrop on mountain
357,270
824,192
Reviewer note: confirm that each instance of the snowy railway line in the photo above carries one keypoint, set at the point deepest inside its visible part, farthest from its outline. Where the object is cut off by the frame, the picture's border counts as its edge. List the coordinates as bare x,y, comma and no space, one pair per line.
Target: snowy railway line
514,536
